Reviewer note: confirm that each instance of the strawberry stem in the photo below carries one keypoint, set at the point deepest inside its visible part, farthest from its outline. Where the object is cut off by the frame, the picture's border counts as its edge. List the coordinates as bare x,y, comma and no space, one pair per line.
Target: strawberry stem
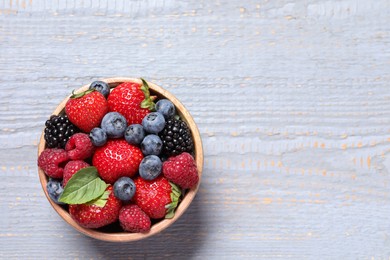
147,102
81,94
175,199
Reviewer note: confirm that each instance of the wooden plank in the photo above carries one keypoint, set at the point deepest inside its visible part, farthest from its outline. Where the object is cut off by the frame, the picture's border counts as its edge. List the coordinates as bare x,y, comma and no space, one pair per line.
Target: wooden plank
291,98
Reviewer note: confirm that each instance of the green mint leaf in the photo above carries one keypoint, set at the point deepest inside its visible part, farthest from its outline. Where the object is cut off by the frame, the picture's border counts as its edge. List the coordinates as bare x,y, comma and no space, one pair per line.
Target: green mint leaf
100,201
84,186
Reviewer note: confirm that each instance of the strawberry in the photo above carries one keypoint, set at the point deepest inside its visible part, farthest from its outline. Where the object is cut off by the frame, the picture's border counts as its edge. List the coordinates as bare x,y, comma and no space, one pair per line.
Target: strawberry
87,109
52,162
157,198
133,219
93,216
132,100
117,159
181,170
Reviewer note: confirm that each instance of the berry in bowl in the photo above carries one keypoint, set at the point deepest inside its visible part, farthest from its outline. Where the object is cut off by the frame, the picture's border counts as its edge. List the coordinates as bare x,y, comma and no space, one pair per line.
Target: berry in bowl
120,159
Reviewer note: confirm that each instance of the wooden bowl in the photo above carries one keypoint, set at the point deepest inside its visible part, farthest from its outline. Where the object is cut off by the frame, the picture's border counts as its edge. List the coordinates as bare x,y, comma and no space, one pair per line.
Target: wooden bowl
116,235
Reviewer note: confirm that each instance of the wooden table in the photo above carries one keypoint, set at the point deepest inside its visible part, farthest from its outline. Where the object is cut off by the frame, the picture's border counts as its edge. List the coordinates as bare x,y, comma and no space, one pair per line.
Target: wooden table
291,99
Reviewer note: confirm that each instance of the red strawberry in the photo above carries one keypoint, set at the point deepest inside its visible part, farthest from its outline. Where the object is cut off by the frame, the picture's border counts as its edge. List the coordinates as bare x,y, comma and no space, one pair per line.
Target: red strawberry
181,170
92,216
132,100
87,109
157,198
79,147
117,159
52,161
133,219
71,168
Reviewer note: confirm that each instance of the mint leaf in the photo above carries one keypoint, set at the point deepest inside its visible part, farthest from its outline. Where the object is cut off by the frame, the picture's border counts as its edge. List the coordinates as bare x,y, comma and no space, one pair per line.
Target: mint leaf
85,185
100,201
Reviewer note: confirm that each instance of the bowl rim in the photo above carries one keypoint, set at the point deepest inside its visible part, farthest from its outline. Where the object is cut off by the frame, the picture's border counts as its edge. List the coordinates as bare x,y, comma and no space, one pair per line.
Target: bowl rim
185,202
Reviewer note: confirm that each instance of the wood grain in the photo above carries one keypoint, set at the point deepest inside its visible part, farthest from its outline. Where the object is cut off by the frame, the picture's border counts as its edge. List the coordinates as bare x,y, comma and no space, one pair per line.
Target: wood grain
291,99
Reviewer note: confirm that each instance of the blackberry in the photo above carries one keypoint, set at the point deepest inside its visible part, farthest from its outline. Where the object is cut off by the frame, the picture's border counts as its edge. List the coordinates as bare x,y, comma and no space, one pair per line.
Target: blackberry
176,137
58,130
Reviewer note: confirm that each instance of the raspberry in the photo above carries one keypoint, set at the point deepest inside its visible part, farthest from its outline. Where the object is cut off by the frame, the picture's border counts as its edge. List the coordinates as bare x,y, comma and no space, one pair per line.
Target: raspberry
181,170
52,161
71,168
133,219
79,147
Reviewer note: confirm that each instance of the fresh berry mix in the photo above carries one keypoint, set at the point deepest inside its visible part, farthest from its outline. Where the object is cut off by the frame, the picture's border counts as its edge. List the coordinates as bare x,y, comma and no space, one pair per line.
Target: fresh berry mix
58,130
54,189
151,144
101,87
134,134
115,157
166,108
124,188
153,122
98,136
176,137
150,167
114,124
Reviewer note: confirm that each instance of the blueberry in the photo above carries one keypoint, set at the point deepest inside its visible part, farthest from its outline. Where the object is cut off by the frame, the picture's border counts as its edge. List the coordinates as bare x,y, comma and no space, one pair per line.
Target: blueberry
151,144
134,134
101,86
98,136
166,108
124,188
114,124
153,122
54,189
150,167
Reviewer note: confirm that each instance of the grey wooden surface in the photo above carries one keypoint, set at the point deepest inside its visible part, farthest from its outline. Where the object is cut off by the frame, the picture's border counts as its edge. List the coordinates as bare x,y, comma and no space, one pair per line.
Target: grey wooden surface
291,98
